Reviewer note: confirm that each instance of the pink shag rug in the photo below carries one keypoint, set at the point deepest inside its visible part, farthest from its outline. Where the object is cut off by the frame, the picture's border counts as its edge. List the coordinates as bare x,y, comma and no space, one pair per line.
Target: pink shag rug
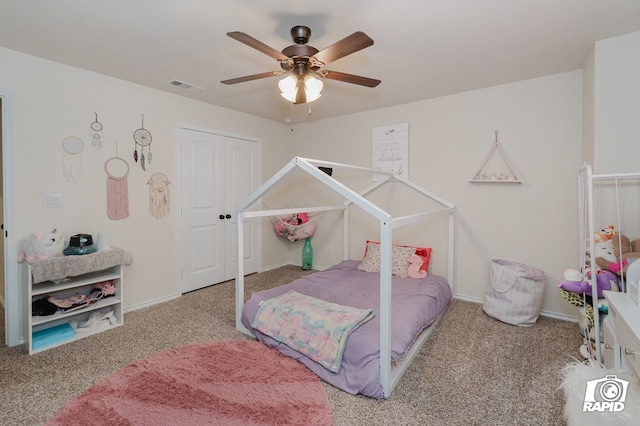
214,383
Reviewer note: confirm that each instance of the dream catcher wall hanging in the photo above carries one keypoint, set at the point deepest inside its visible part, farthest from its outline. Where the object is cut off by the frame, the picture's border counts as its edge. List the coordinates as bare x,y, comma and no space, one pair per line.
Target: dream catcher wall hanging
159,195
72,161
96,133
117,170
142,137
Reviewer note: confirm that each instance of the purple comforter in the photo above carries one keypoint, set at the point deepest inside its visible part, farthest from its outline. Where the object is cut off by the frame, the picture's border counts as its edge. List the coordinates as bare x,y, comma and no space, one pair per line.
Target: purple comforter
416,304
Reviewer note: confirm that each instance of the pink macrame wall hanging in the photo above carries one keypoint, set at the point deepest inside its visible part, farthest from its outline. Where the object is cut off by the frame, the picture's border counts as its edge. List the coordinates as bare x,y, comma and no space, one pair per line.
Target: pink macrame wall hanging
117,188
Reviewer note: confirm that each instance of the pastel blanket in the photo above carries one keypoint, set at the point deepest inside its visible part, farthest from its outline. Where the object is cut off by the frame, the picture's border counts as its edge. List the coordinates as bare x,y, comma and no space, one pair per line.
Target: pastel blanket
311,326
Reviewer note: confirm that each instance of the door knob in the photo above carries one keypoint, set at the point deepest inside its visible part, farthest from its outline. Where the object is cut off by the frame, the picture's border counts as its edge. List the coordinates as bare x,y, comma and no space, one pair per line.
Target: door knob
228,216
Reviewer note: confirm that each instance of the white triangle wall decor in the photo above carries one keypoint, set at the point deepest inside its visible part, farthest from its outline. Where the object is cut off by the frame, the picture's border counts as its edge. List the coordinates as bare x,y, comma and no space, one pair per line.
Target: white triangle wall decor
485,176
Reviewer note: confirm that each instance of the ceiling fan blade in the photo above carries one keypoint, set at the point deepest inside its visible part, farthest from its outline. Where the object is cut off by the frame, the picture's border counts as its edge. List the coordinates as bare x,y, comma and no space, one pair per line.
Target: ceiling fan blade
346,46
252,77
258,45
349,78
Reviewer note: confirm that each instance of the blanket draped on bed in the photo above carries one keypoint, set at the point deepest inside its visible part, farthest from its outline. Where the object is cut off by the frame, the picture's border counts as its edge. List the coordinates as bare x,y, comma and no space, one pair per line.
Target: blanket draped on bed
311,326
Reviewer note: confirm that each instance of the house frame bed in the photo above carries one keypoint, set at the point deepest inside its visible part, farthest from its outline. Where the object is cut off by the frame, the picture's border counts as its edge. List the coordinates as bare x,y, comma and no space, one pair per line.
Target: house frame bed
389,375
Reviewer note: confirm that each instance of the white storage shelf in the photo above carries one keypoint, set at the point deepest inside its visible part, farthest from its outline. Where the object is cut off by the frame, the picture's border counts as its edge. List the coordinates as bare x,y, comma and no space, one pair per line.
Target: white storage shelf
625,325
67,287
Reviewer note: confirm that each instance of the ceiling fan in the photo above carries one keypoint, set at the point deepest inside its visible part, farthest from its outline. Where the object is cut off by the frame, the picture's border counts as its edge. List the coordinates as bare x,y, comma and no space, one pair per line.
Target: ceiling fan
303,64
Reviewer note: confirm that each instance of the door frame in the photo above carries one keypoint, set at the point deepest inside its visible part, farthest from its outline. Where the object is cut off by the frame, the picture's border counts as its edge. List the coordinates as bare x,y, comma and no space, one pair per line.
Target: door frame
179,127
12,283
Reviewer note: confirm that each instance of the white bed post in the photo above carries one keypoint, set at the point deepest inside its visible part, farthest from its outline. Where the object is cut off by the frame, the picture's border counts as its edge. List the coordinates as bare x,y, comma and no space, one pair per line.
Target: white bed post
346,215
240,272
385,306
452,239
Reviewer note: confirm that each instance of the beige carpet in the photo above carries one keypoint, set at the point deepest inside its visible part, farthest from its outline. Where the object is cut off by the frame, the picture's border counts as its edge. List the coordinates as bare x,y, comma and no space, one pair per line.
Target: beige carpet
473,370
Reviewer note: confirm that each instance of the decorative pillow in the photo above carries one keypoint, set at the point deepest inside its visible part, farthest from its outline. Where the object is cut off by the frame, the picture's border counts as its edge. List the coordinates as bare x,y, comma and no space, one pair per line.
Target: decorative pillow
399,259
423,252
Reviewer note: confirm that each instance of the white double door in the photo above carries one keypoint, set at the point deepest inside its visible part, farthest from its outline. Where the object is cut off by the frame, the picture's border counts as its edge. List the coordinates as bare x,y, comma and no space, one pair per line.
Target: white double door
217,173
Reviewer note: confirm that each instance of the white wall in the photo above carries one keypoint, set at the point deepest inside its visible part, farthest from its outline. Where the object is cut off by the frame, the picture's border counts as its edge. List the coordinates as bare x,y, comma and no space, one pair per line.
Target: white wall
540,128
617,104
54,101
588,109
614,93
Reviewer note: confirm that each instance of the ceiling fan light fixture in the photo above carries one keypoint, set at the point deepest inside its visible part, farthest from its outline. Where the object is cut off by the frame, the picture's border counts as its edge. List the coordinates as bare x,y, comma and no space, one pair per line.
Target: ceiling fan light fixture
289,87
312,87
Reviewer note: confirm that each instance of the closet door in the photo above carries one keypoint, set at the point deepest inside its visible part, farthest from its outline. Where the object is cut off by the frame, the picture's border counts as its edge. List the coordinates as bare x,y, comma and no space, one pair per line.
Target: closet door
215,174
242,166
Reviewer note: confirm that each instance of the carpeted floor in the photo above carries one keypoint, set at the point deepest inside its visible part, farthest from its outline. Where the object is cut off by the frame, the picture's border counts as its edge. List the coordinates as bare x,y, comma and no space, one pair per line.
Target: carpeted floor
473,370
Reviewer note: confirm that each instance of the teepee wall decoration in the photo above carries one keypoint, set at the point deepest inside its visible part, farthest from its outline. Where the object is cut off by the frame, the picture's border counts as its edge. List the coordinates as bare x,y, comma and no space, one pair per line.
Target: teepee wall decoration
485,176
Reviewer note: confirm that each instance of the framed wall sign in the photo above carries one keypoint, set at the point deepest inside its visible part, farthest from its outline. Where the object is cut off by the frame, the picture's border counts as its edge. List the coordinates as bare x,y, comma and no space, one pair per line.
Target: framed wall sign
391,149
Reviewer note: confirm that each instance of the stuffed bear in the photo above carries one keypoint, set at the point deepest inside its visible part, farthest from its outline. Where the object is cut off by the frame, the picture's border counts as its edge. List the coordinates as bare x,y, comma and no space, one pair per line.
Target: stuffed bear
622,250
414,271
41,245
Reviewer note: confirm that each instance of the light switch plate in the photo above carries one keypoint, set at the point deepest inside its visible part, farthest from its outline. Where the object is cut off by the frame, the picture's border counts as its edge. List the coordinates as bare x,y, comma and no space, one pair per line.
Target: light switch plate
52,201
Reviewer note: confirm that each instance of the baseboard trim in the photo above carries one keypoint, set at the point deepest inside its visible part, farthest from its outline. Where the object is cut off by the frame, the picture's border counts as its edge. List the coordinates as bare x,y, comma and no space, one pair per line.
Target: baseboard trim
272,267
151,303
548,314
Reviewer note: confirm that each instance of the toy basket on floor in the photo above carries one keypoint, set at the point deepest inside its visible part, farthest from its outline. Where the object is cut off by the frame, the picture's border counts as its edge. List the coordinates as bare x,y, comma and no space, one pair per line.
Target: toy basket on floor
515,293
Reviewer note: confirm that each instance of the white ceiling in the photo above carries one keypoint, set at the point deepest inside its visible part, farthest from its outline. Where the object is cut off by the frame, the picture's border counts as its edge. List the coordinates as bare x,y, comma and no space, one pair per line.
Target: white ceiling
423,49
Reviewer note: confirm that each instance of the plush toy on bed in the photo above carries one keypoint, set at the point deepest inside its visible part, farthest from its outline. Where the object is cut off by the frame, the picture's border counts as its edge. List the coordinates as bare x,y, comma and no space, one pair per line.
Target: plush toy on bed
617,252
414,271
41,245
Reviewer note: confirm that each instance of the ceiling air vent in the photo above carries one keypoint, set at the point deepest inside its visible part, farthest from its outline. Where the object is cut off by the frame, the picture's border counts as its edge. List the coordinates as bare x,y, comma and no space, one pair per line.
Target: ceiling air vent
186,86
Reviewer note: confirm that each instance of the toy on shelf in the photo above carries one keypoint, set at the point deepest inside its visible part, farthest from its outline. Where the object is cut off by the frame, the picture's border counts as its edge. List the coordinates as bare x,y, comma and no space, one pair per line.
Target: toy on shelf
574,283
614,250
41,245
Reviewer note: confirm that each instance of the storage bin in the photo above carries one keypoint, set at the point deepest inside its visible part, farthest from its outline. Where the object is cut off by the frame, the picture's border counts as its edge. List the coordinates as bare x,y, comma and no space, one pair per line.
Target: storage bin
515,293
52,335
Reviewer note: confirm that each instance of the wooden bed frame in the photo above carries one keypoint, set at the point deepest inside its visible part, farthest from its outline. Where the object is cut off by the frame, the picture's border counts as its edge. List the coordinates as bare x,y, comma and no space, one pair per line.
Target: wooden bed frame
389,375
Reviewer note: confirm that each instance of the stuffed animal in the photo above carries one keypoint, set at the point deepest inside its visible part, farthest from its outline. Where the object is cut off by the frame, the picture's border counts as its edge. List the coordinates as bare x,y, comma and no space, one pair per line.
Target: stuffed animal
414,271
605,234
41,245
606,280
619,252
107,288
572,275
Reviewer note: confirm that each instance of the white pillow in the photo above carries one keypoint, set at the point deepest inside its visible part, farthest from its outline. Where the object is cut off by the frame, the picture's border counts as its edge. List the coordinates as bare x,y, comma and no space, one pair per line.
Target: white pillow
399,259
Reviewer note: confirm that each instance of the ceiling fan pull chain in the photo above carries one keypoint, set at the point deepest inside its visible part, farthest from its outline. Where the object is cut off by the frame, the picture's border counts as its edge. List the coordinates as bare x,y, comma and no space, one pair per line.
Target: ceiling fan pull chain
292,116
